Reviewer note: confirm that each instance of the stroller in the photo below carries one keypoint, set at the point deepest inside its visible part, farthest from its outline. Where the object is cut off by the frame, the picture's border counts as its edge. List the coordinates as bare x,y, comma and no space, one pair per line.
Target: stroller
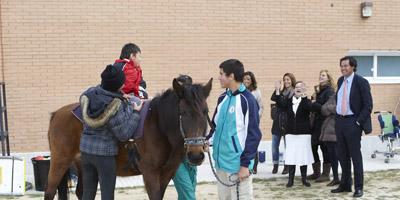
390,134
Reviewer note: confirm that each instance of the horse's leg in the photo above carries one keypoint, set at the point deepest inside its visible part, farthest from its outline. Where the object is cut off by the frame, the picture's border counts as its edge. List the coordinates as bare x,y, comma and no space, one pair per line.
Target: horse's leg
79,185
58,167
62,189
152,184
64,137
165,178
169,169
156,182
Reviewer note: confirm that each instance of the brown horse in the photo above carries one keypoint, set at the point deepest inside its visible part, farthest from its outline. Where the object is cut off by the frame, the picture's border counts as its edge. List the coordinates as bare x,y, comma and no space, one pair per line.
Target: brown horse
174,127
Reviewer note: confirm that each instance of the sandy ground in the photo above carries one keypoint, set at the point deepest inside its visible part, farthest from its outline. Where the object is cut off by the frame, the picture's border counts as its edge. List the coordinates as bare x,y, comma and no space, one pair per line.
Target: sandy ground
378,185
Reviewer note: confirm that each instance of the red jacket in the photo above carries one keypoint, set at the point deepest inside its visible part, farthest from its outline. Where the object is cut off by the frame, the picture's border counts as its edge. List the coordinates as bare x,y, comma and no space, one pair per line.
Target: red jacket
133,75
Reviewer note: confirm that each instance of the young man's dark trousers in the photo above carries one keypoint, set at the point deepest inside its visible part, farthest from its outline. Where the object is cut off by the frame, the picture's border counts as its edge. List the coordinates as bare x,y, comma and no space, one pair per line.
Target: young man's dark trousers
348,134
98,169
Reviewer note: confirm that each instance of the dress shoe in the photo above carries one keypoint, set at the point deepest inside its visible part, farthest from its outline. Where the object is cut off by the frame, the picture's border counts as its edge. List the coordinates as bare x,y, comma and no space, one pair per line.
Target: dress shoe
333,183
289,184
341,189
358,193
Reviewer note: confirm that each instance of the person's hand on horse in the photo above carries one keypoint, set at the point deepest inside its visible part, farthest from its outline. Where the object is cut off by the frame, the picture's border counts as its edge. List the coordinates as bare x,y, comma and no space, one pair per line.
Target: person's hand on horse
126,96
138,106
243,173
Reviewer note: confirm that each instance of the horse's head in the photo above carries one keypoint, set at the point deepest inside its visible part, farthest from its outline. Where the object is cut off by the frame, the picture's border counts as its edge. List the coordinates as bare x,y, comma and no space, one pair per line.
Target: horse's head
193,113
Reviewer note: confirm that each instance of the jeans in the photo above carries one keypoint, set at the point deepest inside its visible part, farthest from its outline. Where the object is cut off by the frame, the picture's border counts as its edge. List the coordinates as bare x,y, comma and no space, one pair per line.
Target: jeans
96,169
276,140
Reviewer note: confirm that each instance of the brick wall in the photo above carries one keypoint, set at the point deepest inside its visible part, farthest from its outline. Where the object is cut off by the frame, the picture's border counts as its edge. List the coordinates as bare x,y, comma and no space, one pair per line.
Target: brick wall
54,49
1,45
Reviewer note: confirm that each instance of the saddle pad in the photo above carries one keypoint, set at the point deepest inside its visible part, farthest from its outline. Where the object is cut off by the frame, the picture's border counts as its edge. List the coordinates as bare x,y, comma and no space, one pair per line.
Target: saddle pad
143,114
77,112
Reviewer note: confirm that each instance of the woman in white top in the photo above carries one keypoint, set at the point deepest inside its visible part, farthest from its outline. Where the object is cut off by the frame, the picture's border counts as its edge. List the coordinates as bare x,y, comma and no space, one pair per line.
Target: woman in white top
249,80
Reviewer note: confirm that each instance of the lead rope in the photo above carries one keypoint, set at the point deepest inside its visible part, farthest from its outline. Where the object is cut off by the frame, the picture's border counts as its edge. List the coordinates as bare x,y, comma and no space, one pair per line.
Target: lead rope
236,182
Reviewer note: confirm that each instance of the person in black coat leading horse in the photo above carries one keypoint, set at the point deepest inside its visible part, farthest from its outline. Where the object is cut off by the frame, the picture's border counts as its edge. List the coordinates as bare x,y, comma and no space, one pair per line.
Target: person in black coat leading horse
324,90
354,107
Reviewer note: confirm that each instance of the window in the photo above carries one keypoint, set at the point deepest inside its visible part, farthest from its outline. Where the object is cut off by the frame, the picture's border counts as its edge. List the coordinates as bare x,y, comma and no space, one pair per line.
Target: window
378,66
365,65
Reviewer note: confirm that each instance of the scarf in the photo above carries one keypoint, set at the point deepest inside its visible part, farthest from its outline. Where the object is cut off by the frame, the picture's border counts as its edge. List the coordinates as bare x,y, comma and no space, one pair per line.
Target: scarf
296,102
288,92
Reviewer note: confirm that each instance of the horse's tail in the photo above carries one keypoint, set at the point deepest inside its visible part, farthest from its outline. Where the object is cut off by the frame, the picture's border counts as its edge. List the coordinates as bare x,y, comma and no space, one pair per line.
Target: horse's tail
52,114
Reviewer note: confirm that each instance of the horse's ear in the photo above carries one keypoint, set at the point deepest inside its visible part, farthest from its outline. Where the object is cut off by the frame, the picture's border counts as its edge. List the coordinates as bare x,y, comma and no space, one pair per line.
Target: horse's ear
207,88
178,88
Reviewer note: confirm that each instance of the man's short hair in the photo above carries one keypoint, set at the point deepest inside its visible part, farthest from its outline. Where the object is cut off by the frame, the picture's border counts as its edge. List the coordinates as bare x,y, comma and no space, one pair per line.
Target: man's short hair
235,67
352,61
129,49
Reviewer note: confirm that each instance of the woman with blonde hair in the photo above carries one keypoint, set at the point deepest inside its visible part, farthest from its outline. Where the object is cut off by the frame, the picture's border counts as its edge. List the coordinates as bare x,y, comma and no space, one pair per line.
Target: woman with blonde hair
323,91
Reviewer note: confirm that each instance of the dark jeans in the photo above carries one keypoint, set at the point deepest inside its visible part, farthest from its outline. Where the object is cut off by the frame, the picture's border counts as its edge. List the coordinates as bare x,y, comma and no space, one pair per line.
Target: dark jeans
349,149
324,150
331,147
276,140
98,169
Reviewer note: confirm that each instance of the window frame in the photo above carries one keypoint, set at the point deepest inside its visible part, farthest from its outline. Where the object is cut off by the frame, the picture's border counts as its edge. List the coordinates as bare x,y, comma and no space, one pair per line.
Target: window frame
375,79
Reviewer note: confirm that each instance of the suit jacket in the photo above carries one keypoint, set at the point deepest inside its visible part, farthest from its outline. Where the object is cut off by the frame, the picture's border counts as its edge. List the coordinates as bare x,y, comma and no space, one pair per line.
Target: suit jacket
360,101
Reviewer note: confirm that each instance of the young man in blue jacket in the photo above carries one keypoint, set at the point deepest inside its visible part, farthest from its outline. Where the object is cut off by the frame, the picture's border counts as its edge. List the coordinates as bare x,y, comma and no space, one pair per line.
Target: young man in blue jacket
236,135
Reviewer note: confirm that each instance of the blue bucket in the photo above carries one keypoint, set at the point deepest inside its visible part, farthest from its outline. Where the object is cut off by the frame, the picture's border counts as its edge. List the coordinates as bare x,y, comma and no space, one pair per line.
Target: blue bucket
261,156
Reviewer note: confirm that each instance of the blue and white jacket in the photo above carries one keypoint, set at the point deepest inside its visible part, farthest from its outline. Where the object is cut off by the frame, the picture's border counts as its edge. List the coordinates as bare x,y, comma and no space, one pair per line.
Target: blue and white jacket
237,134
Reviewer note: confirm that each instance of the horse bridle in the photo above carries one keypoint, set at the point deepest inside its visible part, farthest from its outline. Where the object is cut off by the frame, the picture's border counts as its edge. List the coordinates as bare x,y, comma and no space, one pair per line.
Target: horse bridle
202,141
195,141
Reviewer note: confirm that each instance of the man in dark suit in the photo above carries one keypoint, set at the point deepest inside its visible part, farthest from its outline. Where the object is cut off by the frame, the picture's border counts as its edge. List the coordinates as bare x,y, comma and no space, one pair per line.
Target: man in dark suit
354,107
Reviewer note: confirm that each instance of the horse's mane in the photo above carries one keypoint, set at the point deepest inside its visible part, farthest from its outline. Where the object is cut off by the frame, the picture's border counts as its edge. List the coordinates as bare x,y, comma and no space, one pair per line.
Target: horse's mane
166,105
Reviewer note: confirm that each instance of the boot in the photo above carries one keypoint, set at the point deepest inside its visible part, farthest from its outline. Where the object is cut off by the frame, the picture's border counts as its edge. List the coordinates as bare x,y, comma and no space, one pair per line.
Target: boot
316,171
303,170
291,171
326,170
285,170
255,164
275,170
